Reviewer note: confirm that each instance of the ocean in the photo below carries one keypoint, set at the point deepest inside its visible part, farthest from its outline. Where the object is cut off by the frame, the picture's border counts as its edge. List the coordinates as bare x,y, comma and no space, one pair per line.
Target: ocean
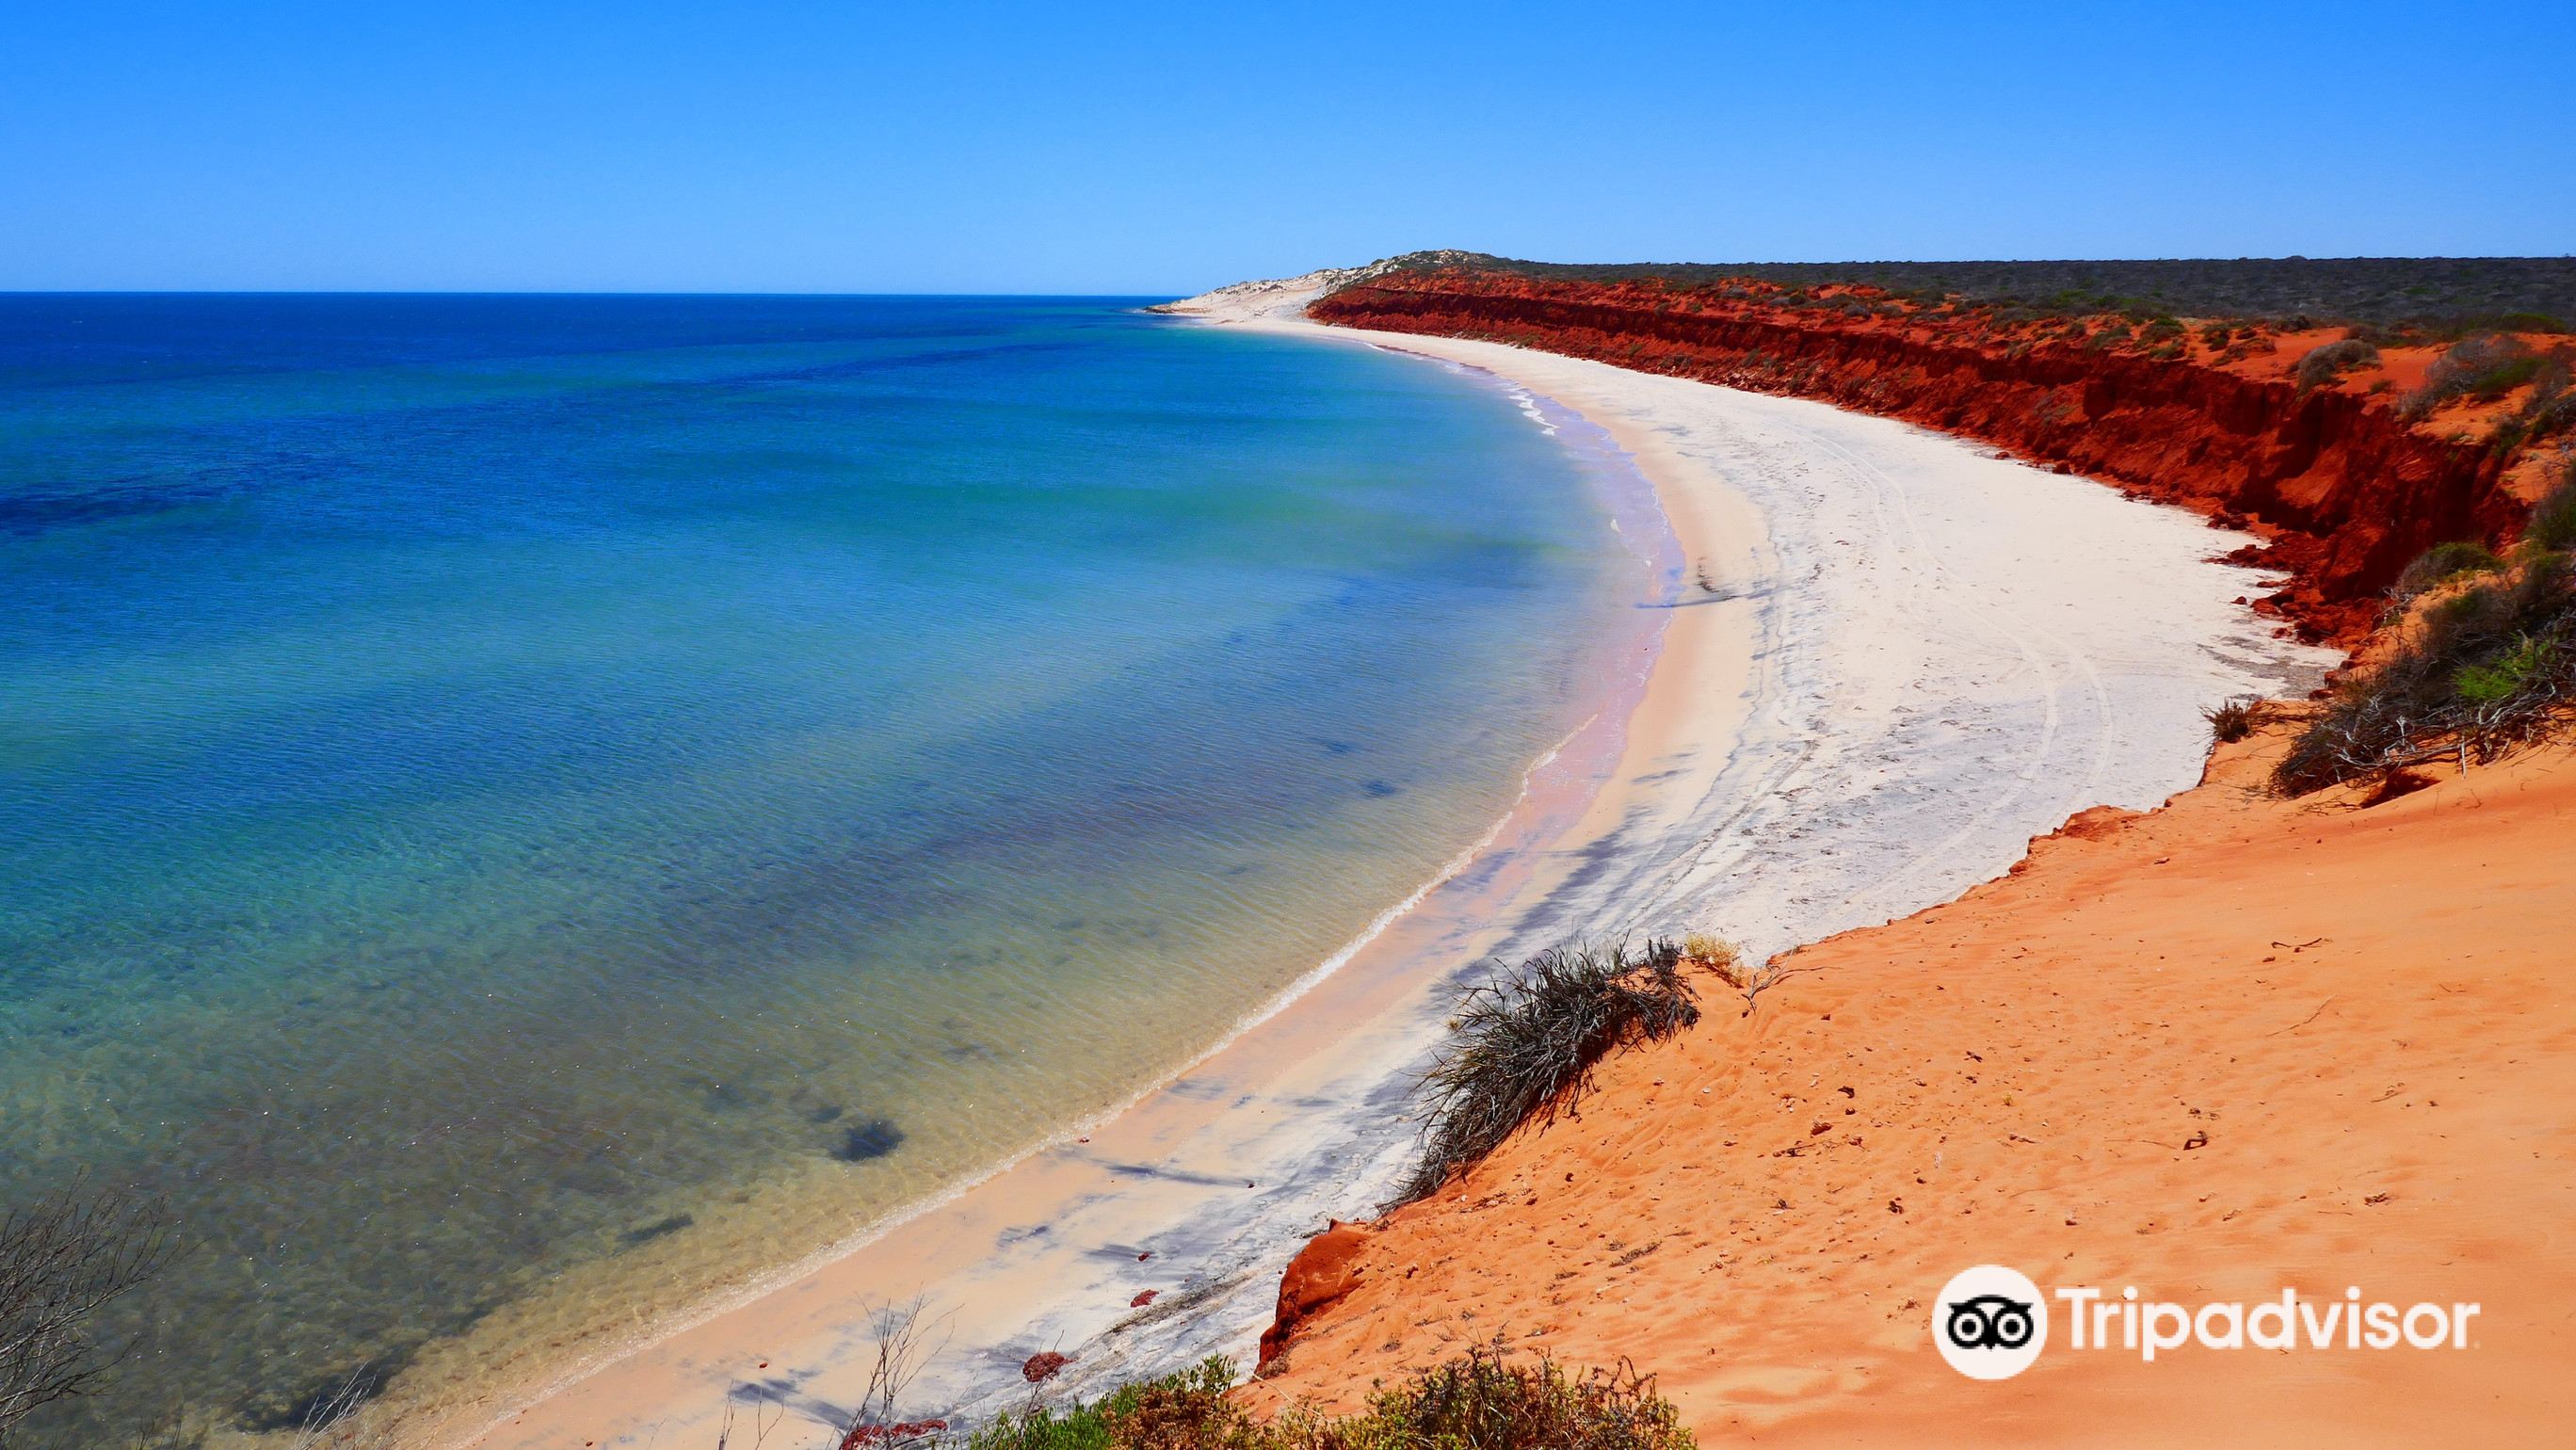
518,811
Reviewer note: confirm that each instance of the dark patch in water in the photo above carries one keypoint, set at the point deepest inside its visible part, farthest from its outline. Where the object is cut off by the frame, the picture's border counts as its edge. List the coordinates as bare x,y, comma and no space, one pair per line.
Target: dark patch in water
651,1231
874,1138
323,1397
33,511
829,1112
1378,789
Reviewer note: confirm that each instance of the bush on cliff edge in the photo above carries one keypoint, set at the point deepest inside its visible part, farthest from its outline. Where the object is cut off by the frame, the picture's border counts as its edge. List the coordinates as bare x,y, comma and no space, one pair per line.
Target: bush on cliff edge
2478,672
1486,1399
2553,520
2324,364
1523,1045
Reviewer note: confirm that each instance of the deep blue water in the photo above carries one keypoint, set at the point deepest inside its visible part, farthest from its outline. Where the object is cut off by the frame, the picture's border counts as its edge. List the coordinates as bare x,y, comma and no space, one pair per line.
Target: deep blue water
510,797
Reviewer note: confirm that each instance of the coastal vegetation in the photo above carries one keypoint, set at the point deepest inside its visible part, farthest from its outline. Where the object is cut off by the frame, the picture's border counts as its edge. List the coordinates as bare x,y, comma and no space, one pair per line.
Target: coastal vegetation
2234,719
2441,564
2547,411
2484,660
2484,367
1486,1399
2328,362
2423,296
2553,518
1522,1046
63,1258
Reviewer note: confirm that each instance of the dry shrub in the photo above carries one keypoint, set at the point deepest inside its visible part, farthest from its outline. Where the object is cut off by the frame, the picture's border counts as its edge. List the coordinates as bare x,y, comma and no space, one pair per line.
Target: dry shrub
1522,1046
2553,519
64,1258
2324,364
1715,953
2481,671
2235,718
2486,366
2441,564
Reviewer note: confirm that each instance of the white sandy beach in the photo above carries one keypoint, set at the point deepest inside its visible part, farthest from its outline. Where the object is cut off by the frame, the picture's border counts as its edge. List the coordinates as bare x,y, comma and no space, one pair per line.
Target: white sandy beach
1887,660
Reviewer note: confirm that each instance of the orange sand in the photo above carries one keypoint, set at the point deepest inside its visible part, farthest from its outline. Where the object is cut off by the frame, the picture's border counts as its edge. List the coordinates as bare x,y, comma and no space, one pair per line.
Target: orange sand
2371,1014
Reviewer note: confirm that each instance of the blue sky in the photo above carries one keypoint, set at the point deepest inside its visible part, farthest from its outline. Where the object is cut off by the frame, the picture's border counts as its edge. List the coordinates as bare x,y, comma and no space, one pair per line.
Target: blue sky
1164,148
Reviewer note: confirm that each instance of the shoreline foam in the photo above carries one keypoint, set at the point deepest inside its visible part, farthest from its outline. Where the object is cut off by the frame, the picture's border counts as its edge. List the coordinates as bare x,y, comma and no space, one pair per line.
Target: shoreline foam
1394,1003
1736,765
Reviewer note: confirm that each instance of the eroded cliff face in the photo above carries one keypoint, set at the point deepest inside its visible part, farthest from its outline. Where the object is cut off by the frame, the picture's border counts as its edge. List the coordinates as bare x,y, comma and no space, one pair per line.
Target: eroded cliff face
2344,490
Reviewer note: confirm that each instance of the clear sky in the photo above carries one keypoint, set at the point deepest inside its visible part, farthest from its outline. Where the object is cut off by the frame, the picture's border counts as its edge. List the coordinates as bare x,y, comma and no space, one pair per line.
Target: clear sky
1068,147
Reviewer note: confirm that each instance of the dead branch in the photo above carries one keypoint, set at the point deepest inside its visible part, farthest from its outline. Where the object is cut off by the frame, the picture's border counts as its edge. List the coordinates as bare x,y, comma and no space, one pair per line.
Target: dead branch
62,1260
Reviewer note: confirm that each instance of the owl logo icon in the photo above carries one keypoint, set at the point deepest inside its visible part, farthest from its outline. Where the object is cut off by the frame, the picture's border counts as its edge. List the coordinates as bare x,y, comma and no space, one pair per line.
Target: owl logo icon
1990,1322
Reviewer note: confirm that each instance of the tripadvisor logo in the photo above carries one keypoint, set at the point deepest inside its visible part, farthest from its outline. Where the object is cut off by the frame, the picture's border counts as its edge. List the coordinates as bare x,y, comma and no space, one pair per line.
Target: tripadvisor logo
1991,1322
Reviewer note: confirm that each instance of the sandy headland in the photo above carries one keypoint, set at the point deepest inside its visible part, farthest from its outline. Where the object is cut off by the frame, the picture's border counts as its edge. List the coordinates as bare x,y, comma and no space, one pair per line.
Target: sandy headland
1871,663
2234,1046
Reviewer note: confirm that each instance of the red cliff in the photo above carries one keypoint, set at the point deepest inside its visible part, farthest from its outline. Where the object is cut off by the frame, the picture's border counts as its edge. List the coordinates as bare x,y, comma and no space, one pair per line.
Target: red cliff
1322,1274
2345,490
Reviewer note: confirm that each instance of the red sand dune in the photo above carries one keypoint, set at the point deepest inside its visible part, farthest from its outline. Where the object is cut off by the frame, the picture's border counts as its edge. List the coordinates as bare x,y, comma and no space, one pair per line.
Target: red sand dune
2232,1045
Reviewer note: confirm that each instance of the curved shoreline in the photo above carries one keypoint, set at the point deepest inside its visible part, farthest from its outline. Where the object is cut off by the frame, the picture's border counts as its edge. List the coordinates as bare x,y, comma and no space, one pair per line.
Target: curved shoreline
1954,651
1837,730
980,1249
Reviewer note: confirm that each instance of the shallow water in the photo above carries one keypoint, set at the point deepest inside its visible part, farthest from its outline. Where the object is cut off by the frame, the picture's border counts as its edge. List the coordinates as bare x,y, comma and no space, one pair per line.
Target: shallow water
516,808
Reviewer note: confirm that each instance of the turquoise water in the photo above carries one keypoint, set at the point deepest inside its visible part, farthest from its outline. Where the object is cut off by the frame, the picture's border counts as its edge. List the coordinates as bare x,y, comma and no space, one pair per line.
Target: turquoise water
517,808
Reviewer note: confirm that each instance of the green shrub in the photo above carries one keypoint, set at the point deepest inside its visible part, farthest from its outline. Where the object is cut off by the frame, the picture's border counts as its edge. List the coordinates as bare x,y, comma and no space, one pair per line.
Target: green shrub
2548,412
2553,518
2505,676
2525,322
2445,298
1482,1400
2324,364
1523,1045
1186,1408
2548,415
2439,565
2485,669
2487,366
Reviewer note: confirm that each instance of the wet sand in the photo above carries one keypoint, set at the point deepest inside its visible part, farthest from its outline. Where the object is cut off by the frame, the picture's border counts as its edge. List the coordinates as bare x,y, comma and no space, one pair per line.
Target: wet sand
1875,662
